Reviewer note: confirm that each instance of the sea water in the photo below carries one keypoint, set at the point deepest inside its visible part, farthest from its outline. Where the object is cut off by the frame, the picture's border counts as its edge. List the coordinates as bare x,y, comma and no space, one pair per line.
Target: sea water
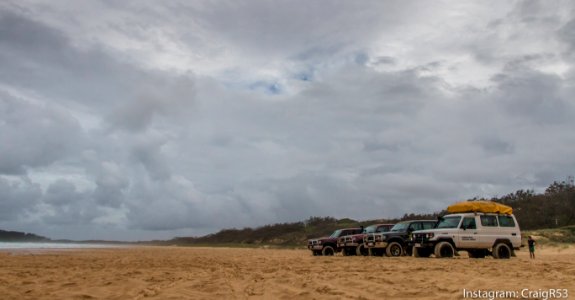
25,246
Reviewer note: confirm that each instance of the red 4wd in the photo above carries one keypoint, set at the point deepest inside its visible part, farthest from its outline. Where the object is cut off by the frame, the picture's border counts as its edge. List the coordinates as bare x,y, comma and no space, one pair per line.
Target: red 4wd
328,245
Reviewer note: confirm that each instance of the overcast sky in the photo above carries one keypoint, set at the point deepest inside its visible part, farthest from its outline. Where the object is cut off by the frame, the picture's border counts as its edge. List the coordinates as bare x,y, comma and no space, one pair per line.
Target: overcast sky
142,120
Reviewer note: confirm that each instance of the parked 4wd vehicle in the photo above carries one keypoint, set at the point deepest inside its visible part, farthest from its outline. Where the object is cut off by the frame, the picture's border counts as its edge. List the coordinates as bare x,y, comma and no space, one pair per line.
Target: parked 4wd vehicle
394,242
480,234
328,245
353,244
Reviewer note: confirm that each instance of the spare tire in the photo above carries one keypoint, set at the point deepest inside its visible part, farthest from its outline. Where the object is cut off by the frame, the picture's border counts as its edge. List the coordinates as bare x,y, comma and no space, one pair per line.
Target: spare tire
444,249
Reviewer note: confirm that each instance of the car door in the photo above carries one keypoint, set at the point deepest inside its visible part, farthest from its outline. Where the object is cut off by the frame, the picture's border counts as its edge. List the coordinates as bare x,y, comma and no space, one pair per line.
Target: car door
468,237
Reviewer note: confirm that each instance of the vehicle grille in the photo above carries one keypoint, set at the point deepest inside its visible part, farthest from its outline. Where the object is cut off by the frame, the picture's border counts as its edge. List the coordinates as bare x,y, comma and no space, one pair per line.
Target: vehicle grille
373,238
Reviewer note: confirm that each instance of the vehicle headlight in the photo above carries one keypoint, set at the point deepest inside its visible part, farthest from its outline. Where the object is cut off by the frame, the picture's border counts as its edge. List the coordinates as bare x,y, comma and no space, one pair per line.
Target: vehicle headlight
319,242
429,235
383,237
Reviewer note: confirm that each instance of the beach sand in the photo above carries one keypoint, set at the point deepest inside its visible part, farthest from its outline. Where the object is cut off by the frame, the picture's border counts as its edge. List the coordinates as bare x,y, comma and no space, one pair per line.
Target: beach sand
229,273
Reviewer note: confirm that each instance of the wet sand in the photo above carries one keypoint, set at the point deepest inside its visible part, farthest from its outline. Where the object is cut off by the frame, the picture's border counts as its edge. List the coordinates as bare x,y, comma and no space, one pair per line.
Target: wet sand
228,273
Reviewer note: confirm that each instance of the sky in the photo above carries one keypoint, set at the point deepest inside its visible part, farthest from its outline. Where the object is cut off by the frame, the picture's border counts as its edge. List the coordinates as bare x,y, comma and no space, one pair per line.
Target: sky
139,120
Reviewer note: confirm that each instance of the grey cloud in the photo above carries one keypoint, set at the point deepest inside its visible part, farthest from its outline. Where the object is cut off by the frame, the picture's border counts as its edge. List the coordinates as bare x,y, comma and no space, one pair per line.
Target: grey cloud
69,206
18,198
161,97
110,185
35,56
34,135
150,156
567,34
61,192
533,95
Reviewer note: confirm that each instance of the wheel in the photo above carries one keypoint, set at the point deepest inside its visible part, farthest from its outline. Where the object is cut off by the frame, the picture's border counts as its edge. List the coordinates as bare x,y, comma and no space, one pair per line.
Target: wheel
361,250
421,252
479,253
444,249
394,249
501,251
328,251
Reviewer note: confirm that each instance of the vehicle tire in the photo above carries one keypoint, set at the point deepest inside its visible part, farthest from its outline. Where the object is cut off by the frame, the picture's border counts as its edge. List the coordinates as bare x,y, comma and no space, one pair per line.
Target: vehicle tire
501,251
328,251
444,249
479,253
421,252
361,250
394,249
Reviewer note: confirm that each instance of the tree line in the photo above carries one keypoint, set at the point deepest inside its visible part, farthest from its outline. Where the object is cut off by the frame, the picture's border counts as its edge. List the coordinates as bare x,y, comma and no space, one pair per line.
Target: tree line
553,208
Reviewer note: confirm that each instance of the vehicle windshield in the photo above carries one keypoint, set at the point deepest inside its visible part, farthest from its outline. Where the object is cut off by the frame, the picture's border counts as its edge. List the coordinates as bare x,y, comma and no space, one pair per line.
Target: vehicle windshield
335,233
399,227
370,229
449,222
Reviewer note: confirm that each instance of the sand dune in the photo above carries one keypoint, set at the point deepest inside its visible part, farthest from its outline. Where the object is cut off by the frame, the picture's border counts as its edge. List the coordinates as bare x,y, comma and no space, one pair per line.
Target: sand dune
227,273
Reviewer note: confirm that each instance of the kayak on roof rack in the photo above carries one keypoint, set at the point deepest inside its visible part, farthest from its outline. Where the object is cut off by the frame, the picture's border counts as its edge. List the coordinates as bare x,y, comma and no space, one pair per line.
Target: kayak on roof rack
483,206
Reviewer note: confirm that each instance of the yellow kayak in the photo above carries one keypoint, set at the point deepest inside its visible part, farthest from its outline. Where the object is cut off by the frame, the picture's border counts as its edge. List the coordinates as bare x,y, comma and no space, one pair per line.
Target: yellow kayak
483,206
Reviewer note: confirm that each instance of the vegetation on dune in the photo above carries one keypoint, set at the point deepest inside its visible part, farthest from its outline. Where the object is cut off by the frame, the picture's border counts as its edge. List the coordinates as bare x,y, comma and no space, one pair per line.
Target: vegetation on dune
15,236
552,209
562,235
555,208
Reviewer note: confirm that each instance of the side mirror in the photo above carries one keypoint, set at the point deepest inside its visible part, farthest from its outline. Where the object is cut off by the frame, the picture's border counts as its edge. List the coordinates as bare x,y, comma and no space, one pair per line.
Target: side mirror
463,227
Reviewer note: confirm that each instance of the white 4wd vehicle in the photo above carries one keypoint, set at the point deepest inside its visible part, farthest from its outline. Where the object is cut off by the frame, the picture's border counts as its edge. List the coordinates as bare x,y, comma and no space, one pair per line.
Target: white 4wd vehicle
479,234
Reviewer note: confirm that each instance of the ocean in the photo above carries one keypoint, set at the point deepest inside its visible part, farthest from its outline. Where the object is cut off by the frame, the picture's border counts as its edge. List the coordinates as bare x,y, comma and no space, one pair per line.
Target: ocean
31,246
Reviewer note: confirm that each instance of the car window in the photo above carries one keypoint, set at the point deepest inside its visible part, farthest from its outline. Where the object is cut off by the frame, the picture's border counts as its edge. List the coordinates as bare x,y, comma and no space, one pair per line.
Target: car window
383,229
355,231
428,225
399,227
506,221
468,223
415,226
449,222
488,221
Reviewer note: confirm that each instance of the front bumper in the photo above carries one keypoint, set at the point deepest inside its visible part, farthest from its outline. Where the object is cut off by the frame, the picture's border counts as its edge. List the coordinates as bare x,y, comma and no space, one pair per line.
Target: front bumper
376,244
420,243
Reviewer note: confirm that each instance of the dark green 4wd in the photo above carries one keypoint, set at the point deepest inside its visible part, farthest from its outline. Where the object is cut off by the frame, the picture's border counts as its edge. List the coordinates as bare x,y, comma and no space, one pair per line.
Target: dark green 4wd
394,242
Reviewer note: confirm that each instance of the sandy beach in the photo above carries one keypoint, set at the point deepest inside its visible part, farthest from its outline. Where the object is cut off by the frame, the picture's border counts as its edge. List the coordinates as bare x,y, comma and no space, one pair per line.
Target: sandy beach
228,273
